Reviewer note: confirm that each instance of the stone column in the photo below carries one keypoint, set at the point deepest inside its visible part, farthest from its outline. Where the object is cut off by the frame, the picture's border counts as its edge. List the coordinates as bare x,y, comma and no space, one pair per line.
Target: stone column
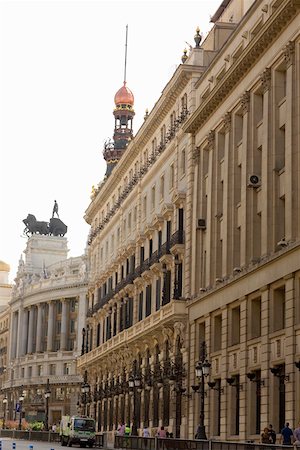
291,191
265,356
50,327
228,199
24,334
289,345
267,168
39,328
64,321
14,335
18,332
243,359
245,220
30,330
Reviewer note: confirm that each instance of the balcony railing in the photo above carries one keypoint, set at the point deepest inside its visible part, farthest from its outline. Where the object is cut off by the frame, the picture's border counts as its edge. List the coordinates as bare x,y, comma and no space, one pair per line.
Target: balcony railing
176,238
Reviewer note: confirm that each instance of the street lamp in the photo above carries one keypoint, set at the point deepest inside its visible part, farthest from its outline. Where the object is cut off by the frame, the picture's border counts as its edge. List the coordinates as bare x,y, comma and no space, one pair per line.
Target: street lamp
134,383
21,399
202,371
47,396
5,400
85,389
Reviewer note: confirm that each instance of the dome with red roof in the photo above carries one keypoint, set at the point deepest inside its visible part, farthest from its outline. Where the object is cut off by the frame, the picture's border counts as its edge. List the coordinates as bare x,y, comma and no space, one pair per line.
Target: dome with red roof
124,96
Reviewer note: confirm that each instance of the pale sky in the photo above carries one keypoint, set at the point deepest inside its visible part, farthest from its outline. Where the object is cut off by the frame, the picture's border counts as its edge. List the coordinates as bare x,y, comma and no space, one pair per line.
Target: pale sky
61,63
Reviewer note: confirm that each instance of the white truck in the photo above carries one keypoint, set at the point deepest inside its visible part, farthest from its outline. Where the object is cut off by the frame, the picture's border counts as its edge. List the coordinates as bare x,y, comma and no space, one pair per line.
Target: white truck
77,430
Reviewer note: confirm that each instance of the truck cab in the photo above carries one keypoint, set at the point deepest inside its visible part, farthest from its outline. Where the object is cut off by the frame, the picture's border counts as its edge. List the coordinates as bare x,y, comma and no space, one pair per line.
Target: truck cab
77,430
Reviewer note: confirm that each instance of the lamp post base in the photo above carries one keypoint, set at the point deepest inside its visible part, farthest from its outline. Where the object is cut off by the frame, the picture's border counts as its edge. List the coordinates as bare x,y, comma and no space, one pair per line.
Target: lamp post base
201,432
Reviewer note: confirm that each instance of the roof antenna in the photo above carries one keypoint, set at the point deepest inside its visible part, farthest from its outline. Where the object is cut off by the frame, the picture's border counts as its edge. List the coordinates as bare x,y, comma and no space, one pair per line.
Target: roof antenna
125,54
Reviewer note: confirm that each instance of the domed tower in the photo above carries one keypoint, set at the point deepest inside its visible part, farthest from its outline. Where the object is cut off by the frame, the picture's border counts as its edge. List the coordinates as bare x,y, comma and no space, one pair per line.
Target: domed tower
124,113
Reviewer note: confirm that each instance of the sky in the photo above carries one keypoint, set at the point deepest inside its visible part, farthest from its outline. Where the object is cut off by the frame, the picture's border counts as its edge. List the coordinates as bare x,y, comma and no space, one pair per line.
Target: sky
61,63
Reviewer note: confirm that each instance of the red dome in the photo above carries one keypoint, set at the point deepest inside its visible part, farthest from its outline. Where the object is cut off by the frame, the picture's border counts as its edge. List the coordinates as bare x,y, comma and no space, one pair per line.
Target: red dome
124,96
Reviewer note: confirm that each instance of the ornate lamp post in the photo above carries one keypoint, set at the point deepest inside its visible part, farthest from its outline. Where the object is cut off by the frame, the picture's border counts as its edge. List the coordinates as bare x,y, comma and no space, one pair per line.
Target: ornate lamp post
202,371
5,400
21,399
134,384
85,389
47,396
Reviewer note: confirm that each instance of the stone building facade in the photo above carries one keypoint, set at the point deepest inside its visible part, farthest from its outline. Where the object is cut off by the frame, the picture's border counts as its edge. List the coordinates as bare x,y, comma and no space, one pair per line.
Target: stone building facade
47,308
5,295
195,239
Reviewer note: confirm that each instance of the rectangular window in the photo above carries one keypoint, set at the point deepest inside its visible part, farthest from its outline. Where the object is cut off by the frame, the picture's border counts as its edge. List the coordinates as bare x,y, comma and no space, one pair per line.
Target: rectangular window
148,300
278,309
72,326
162,187
171,177
52,369
153,197
182,162
145,207
235,325
40,370
158,294
255,318
141,301
217,330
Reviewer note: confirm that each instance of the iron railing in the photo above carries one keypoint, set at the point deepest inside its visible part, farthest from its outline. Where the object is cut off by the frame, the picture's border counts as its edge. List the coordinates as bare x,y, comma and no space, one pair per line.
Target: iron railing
176,238
155,443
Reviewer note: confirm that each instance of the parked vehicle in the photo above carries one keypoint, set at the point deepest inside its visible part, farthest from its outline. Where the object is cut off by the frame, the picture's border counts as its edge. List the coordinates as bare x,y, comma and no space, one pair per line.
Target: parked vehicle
77,430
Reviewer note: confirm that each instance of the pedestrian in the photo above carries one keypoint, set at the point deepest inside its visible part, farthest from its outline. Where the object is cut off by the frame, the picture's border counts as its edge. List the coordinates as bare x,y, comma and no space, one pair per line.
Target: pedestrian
121,429
272,434
265,438
127,430
146,432
161,432
297,435
286,435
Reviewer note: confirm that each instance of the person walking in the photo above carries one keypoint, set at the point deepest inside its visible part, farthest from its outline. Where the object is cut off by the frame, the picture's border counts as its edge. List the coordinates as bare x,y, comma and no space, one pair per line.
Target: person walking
161,432
146,432
286,435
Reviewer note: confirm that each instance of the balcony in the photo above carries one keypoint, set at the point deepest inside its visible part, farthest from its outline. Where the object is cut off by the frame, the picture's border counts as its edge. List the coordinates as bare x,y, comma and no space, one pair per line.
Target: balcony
176,238
168,314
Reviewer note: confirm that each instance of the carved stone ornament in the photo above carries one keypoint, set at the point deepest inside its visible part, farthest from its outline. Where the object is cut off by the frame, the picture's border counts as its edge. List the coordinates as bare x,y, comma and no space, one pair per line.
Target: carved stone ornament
245,102
211,137
179,331
289,53
227,122
196,153
265,78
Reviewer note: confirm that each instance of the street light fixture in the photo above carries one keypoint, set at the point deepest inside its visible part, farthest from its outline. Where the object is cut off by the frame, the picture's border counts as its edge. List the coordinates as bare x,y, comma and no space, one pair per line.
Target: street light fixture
21,399
85,389
134,383
202,371
5,400
47,396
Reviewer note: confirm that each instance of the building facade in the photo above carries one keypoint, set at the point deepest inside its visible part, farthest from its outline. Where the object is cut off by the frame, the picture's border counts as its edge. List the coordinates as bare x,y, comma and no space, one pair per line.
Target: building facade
47,308
5,295
194,241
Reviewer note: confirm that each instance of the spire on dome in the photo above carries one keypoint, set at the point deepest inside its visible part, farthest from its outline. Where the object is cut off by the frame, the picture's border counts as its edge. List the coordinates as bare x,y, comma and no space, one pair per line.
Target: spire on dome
124,113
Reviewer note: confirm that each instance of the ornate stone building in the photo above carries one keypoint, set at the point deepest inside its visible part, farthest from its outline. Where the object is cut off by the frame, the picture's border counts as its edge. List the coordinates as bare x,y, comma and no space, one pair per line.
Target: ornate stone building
194,239
5,295
47,309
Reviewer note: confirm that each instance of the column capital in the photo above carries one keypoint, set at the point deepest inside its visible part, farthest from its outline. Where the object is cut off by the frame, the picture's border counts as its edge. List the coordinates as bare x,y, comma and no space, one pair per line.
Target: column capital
211,138
245,102
227,122
265,79
289,54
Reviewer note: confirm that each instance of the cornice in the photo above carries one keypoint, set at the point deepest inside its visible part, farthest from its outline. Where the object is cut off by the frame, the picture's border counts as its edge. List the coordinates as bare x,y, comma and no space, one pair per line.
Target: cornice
250,55
51,289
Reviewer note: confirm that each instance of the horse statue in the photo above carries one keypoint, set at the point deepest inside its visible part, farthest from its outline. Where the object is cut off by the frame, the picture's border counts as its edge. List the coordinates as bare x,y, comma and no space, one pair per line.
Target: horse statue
57,227
34,226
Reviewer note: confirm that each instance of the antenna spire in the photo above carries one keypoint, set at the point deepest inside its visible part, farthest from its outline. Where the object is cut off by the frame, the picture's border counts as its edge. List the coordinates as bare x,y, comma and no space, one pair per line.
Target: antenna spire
125,54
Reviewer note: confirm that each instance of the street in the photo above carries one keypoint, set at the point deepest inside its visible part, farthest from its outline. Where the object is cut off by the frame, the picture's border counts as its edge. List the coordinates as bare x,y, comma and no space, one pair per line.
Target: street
7,444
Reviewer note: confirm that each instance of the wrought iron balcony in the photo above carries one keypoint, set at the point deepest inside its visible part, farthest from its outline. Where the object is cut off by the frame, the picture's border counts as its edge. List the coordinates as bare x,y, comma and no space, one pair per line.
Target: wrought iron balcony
176,238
